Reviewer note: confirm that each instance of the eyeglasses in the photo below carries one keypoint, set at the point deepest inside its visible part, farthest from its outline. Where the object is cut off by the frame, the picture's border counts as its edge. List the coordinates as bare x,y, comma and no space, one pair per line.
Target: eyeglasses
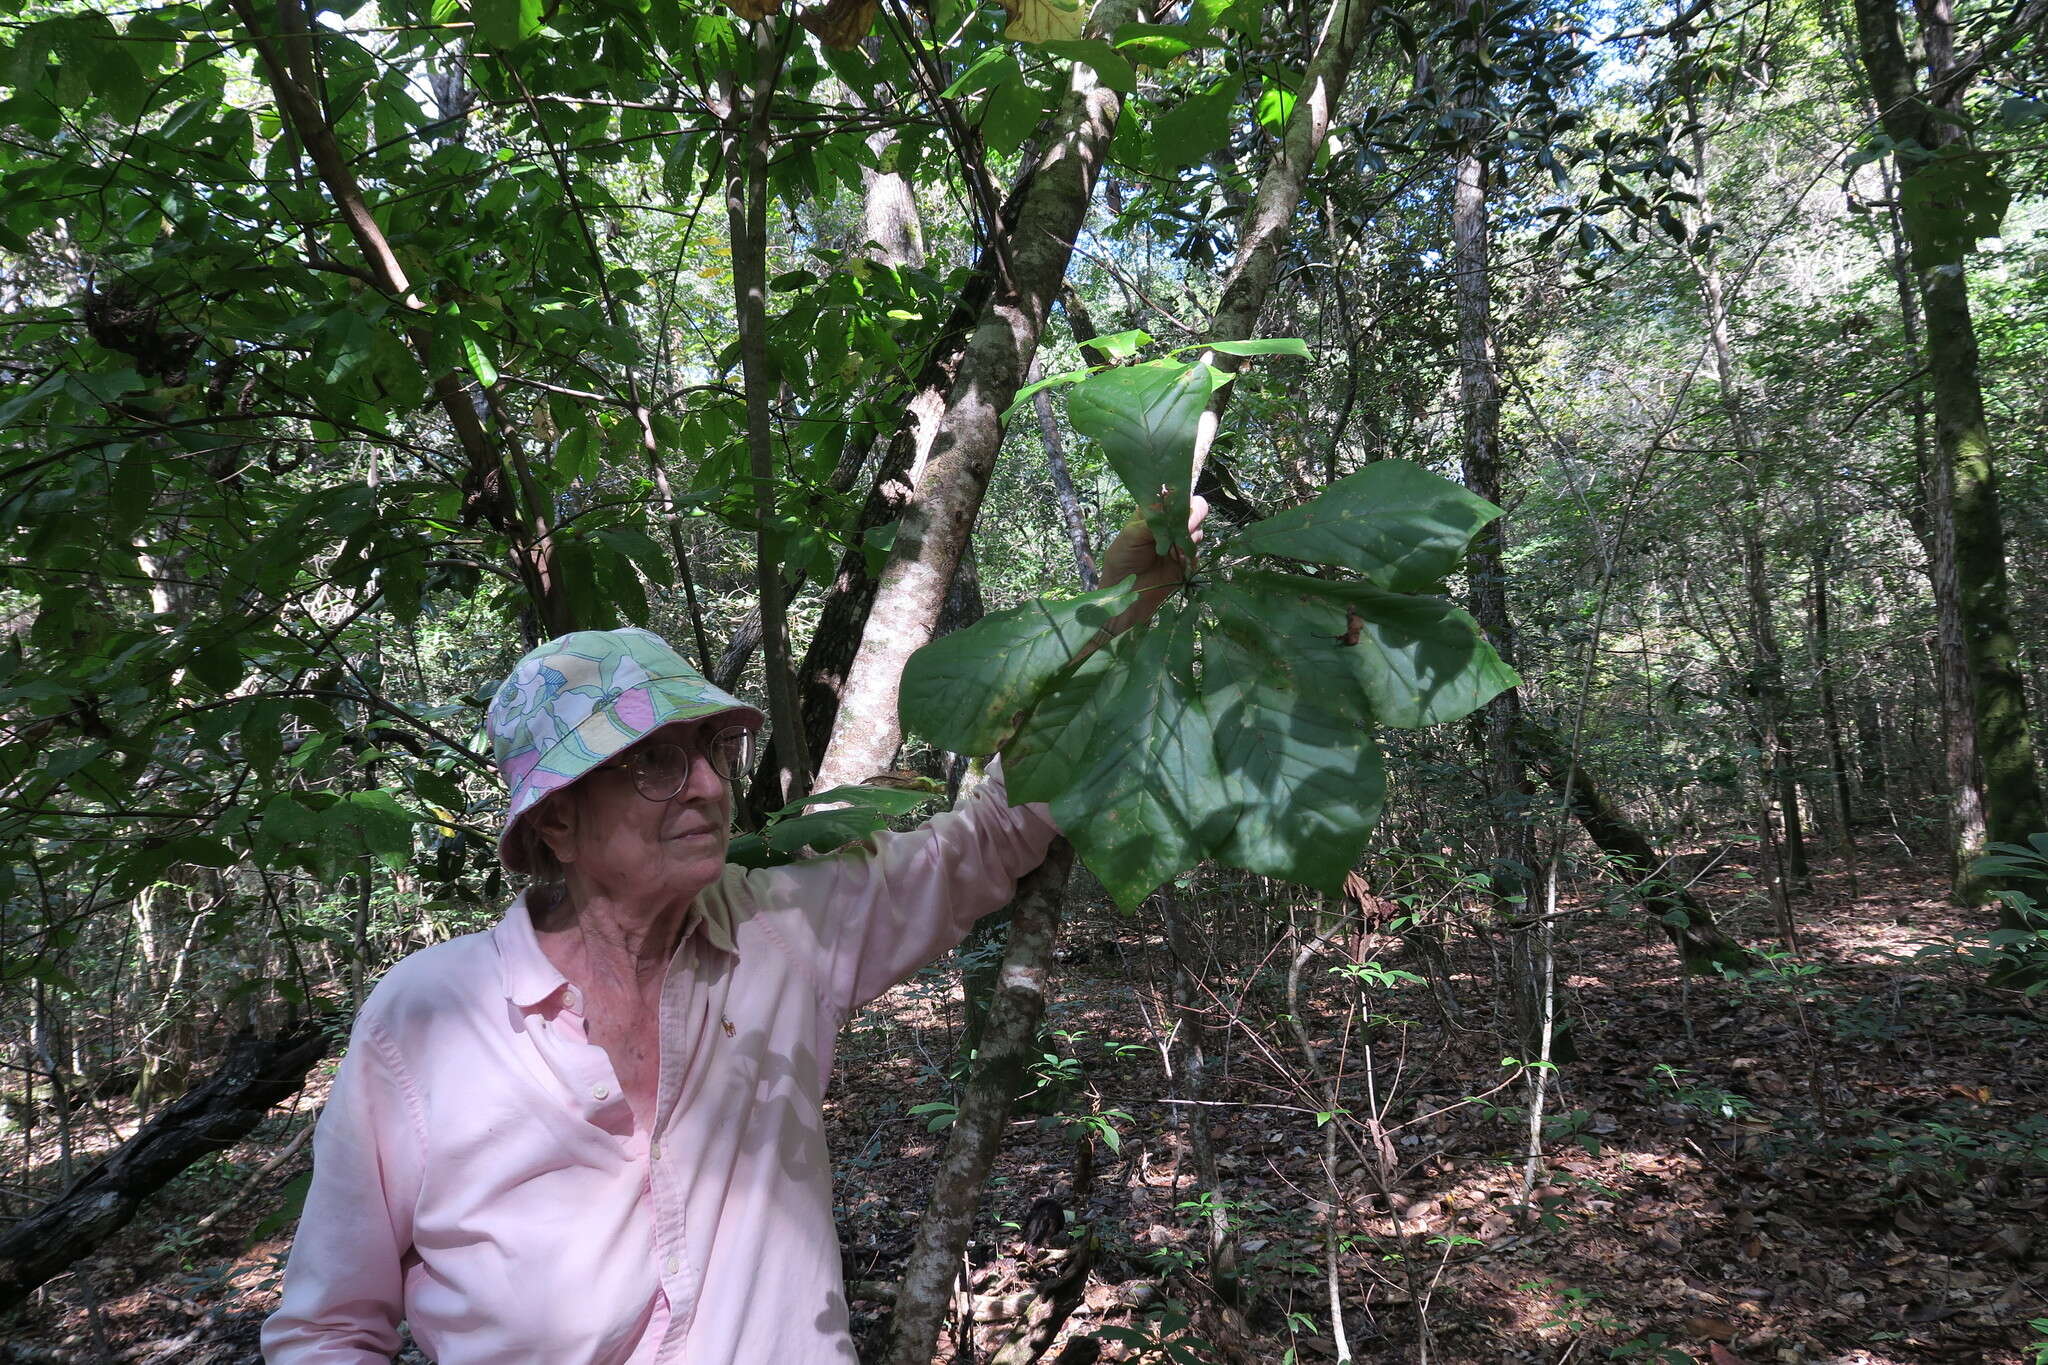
659,771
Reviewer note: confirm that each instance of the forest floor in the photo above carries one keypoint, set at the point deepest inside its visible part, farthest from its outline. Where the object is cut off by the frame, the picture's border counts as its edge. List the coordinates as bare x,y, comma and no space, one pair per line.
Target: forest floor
1843,1159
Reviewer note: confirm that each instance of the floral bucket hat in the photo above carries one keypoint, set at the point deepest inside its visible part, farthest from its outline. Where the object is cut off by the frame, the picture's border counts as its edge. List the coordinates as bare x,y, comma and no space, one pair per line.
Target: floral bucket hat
582,698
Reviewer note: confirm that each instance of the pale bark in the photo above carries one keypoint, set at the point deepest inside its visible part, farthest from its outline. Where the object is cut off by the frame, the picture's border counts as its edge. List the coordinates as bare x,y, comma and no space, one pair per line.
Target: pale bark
1062,481
935,525
889,210
843,615
1007,1049
1252,269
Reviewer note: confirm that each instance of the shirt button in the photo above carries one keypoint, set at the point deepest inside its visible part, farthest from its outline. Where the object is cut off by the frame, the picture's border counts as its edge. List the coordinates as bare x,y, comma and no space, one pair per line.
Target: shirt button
672,1264
598,1092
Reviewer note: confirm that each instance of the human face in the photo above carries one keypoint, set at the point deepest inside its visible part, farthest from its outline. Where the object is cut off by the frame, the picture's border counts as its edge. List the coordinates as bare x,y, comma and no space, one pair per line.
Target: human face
615,843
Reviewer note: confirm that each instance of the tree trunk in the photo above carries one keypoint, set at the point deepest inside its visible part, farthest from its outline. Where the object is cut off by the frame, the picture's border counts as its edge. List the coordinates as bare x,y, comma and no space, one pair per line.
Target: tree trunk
935,525
1006,1051
843,615
1188,1054
257,1074
1252,269
1683,919
1063,482
1768,669
1824,673
1937,523
746,206
1509,790
2012,785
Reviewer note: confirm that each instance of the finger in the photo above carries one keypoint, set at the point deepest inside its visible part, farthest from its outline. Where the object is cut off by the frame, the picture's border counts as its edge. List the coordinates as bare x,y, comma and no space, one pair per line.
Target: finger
1198,510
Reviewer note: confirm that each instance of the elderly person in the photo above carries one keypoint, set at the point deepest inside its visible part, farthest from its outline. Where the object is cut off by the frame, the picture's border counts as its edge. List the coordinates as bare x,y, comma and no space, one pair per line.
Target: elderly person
593,1133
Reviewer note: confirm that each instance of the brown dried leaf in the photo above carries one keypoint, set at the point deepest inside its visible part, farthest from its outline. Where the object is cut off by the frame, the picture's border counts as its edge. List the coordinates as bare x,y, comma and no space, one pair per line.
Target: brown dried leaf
840,24
755,9
1714,1329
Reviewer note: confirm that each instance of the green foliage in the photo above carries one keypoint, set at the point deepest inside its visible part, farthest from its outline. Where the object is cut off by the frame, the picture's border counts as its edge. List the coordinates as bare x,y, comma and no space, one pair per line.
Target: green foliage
858,813
1237,725
1950,202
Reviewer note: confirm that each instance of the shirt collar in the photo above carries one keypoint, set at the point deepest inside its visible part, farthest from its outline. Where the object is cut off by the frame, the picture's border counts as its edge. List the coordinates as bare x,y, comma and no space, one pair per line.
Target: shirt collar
530,978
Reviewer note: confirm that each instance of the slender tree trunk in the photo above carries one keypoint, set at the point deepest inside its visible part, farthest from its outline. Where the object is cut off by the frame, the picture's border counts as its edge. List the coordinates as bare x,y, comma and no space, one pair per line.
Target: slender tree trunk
1265,230
935,525
1680,915
1768,657
1189,1053
977,1133
1062,481
1510,790
1937,522
843,615
2012,785
746,204
286,61
1824,674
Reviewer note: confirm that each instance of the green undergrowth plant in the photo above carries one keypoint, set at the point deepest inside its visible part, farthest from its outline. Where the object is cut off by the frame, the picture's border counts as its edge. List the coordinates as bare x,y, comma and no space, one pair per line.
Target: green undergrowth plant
2018,952
1239,724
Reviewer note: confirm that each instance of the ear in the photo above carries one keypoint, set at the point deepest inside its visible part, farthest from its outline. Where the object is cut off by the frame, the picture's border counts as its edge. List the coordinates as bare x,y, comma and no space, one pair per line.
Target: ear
555,821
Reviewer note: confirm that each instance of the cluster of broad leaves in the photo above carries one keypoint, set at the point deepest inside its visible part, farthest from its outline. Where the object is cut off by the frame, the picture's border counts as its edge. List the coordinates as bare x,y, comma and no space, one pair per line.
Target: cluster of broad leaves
1238,724
228,492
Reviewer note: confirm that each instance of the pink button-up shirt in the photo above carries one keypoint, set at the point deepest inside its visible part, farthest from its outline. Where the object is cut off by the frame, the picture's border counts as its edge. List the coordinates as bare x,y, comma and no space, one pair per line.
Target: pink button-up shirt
478,1171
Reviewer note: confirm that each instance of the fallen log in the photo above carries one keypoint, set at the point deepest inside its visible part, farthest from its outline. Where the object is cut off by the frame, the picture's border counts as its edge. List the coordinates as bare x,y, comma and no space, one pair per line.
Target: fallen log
257,1074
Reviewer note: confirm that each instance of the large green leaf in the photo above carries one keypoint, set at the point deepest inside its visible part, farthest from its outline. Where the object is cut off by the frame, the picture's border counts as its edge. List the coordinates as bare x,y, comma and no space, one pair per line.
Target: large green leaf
507,23
1420,660
967,691
1185,134
1145,416
384,826
1305,771
1398,524
1131,773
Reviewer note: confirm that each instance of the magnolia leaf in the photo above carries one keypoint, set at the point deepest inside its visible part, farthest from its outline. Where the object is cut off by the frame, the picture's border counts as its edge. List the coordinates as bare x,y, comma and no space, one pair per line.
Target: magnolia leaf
1044,21
1119,345
840,24
1395,522
479,357
1109,65
1419,660
506,23
1145,417
1128,761
1275,108
968,691
1294,346
1160,44
1184,135
1304,770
